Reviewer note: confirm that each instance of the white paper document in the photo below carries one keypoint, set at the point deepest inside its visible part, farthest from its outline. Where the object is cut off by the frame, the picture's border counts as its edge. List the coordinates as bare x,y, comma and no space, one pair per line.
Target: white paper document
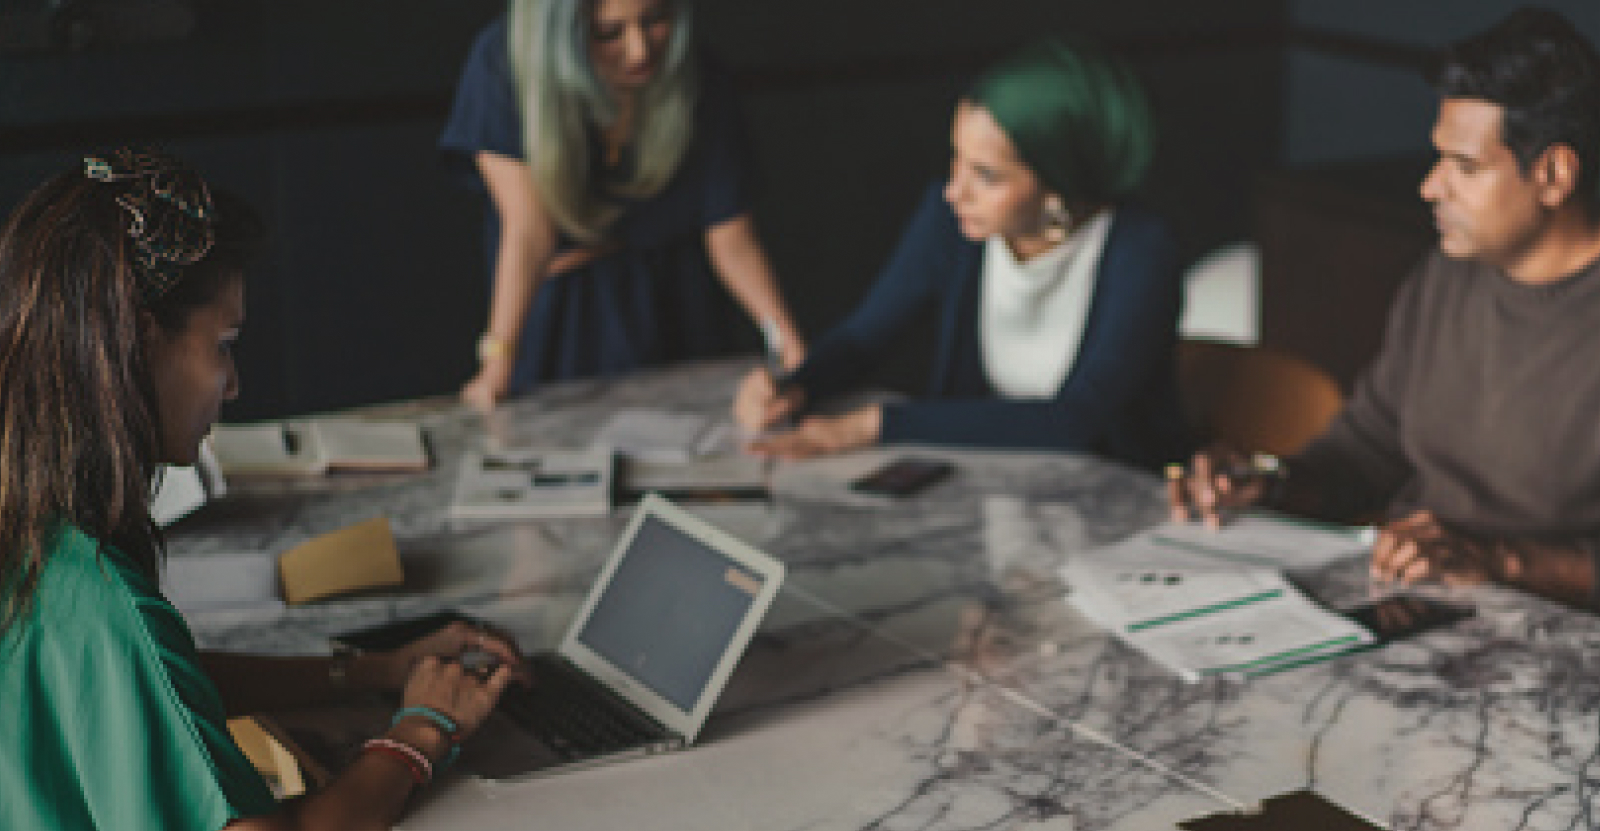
243,586
533,483
179,492
661,435
1215,603
1251,639
312,447
1273,541
722,470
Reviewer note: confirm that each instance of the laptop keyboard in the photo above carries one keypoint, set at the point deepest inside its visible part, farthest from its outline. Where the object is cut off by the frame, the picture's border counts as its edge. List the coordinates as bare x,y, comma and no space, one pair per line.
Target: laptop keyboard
575,716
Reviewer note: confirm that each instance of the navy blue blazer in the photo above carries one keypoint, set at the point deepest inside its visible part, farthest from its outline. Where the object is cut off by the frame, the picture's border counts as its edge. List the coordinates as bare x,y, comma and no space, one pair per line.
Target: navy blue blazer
1118,400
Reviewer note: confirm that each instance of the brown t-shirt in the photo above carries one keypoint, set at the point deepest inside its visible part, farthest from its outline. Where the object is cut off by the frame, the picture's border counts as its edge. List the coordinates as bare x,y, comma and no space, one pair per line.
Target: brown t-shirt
1483,407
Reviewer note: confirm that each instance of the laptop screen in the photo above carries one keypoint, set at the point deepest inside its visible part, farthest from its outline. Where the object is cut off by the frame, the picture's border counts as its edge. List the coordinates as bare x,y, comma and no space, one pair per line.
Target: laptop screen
671,610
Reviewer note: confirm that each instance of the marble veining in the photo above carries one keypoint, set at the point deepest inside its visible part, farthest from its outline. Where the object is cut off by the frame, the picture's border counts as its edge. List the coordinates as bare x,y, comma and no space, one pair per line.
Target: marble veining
922,671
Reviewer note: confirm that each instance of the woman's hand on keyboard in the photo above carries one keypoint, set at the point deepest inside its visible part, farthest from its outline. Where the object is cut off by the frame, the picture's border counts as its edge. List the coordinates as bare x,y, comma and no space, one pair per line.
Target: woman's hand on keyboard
455,642
461,696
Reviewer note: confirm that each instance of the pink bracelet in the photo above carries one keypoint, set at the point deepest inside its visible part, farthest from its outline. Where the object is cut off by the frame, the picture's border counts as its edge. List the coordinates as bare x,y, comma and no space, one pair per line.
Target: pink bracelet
414,760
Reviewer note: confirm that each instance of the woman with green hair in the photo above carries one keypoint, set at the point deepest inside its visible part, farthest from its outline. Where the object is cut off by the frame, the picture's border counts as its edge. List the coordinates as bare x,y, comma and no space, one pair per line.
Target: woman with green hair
1056,297
615,163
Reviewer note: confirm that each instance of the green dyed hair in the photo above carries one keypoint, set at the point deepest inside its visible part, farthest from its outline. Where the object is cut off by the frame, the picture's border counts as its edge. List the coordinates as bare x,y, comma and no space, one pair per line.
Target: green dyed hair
1077,118
562,99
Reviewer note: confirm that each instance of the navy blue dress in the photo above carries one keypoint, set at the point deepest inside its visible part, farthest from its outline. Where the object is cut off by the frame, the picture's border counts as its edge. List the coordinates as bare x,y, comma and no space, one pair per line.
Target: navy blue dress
1118,400
654,297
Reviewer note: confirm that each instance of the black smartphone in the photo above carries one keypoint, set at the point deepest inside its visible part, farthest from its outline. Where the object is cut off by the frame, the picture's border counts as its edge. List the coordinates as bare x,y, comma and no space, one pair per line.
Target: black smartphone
395,634
1403,616
903,477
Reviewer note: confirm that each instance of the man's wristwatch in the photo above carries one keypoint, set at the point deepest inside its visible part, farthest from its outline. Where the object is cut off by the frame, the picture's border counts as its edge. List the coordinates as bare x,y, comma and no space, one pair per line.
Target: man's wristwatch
1274,472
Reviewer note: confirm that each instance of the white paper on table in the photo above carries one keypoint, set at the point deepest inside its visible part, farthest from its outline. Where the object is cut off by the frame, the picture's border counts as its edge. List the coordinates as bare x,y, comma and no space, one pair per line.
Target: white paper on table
243,585
180,492
660,435
1250,639
722,470
371,445
533,482
1215,602
265,448
1276,542
1134,593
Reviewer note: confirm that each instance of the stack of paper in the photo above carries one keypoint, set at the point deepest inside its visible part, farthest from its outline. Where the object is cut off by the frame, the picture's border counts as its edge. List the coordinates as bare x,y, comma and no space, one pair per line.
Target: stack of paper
532,483
661,435
319,446
1205,607
257,585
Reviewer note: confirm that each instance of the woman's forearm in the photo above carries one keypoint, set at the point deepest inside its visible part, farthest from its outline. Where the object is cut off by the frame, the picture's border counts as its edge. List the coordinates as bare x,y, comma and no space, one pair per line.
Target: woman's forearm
519,265
741,264
259,683
369,794
527,244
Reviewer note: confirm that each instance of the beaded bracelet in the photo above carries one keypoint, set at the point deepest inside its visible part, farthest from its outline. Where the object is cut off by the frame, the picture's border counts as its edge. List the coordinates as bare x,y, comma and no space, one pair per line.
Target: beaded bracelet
445,724
414,760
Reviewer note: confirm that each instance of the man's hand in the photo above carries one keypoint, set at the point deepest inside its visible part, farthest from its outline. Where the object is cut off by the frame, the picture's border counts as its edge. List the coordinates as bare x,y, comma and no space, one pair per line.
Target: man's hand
1219,482
1418,548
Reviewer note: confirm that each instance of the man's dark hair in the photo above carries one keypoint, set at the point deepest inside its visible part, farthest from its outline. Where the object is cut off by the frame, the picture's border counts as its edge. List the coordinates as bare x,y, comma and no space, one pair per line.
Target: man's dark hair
1546,76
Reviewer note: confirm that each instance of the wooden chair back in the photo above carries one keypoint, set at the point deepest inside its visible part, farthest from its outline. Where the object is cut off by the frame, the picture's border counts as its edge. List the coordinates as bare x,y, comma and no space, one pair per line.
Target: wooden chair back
1255,398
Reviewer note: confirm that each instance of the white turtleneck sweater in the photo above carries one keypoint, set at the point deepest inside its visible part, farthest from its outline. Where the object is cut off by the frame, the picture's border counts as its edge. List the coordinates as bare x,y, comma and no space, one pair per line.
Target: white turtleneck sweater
1033,312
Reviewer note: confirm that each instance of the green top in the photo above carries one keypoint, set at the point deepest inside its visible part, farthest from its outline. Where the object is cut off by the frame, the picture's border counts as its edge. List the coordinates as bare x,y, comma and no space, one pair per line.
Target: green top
106,719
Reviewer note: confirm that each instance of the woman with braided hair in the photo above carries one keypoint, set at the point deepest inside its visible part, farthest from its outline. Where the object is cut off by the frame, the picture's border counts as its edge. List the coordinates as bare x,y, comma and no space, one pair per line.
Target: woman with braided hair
121,295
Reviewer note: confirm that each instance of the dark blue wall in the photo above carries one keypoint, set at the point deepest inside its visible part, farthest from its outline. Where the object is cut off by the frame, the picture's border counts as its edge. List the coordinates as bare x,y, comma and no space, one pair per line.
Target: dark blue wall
324,113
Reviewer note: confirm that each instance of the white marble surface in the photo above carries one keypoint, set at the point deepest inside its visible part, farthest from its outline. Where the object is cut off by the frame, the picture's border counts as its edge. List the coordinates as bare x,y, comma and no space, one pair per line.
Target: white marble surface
919,673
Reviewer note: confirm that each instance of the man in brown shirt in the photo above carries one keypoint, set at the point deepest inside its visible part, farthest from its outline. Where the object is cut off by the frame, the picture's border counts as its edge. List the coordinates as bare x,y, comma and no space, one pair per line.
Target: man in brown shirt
1476,432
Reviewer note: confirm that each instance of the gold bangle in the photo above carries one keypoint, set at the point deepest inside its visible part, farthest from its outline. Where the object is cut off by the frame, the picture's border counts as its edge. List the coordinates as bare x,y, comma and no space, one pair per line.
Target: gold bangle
491,348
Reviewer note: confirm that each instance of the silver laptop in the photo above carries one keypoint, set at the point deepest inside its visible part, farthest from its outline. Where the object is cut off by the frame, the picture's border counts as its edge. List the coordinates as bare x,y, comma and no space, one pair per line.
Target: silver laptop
650,651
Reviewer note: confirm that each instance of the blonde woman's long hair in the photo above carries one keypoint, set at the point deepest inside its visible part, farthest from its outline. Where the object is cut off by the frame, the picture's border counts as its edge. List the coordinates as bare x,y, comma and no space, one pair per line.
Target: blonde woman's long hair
561,96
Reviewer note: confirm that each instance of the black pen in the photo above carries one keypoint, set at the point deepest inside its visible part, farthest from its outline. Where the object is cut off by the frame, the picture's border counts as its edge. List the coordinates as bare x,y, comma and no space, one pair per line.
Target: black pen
772,339
557,480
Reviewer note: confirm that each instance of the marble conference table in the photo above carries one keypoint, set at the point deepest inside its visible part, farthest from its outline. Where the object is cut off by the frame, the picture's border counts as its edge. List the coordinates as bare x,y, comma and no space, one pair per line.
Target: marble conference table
922,670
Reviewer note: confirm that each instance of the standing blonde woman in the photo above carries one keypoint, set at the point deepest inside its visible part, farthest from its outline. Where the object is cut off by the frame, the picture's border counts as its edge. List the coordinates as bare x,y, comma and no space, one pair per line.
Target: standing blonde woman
615,163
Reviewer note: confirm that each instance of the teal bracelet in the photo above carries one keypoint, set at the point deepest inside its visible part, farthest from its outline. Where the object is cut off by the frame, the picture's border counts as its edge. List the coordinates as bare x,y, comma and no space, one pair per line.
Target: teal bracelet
445,724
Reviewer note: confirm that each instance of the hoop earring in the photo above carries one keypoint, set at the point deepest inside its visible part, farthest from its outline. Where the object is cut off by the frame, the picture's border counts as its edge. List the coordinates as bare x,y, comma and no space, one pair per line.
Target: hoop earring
1056,220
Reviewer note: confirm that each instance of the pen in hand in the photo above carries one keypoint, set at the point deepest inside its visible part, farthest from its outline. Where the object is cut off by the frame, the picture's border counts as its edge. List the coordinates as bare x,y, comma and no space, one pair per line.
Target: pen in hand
1212,488
772,338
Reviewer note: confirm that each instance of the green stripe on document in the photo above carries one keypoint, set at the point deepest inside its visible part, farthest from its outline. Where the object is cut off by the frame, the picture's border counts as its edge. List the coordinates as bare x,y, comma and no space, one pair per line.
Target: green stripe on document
1285,655
1204,610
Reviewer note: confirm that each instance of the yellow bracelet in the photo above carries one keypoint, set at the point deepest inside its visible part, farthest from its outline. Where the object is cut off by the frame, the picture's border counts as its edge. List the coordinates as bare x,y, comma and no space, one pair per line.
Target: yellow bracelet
491,348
